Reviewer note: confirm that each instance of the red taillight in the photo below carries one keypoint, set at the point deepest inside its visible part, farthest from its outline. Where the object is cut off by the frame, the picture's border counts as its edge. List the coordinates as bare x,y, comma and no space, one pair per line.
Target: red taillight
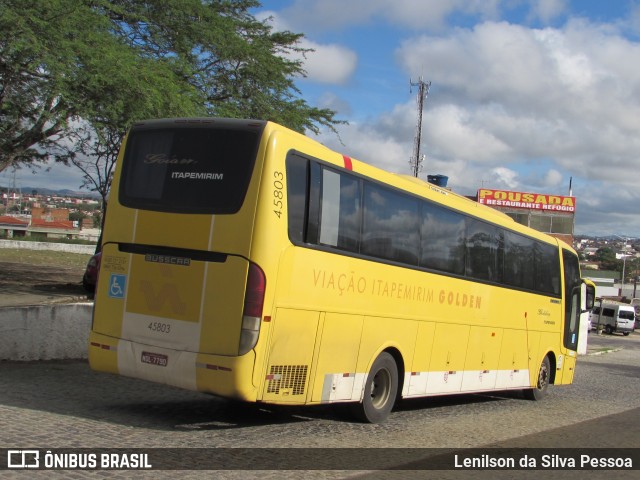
253,302
254,295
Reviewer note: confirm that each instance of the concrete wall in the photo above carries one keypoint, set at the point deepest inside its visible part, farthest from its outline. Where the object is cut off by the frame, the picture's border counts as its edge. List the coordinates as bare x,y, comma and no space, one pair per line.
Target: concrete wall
58,247
45,332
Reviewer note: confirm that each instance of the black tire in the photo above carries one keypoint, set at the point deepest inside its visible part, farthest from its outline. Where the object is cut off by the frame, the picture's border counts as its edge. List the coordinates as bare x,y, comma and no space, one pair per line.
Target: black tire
626,334
90,288
544,376
380,390
608,329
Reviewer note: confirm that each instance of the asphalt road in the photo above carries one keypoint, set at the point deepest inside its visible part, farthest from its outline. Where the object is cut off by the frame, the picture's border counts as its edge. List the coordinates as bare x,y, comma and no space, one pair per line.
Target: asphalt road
49,405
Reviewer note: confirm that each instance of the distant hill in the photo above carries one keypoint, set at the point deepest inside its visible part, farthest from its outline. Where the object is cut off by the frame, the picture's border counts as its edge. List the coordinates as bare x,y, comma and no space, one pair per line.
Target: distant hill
64,192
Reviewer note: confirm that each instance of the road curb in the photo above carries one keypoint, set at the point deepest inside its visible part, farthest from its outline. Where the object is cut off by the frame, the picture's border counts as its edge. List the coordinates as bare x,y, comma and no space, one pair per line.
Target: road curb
602,352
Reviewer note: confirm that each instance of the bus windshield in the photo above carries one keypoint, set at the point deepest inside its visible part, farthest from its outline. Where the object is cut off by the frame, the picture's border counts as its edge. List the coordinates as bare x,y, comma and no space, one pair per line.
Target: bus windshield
189,170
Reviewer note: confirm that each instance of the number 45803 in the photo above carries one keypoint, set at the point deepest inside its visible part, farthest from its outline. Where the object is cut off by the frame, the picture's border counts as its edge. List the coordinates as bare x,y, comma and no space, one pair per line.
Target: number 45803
278,192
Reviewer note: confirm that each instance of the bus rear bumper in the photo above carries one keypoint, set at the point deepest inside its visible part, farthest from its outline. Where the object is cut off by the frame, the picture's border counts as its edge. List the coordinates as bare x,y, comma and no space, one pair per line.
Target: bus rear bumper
224,376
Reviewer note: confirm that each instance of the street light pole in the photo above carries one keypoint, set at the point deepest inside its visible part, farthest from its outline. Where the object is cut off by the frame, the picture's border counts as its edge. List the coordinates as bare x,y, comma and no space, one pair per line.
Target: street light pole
624,262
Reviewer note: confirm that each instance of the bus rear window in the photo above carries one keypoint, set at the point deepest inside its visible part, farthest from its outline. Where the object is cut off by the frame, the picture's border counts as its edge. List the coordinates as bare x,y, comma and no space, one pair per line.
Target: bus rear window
188,169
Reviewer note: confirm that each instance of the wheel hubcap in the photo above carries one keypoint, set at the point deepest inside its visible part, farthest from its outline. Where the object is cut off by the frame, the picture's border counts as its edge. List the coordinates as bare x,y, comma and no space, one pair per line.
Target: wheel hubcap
380,388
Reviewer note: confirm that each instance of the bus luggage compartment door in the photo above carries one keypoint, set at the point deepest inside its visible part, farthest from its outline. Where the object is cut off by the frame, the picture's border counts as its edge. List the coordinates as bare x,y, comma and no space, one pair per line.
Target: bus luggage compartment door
291,350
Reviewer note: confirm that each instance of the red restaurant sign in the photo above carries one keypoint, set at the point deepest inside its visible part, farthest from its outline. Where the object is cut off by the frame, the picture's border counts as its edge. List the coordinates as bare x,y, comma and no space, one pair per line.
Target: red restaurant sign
530,201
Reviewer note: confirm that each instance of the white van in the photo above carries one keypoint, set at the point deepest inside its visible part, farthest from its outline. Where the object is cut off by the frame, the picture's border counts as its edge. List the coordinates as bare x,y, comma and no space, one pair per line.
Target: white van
613,317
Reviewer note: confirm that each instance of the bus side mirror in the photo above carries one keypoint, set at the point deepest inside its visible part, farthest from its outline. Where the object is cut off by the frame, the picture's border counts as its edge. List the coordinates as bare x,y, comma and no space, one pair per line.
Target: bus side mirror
587,297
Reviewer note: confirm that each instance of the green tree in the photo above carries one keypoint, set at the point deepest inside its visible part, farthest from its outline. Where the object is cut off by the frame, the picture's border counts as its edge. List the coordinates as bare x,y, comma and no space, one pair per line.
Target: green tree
33,88
77,72
607,258
77,216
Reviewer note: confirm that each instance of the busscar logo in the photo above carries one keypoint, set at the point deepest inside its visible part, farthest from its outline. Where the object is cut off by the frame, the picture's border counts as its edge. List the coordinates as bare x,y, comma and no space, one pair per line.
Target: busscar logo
23,459
183,261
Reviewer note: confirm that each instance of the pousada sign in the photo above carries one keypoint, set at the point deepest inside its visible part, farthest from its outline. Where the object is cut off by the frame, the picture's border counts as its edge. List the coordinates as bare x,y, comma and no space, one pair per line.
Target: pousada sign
530,201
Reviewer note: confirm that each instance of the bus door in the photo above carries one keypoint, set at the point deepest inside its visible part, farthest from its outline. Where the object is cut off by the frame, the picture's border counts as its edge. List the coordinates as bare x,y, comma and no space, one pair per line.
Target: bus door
565,367
571,292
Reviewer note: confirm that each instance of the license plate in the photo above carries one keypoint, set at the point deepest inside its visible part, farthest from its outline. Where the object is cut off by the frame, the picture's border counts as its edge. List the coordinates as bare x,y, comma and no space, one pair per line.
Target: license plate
155,359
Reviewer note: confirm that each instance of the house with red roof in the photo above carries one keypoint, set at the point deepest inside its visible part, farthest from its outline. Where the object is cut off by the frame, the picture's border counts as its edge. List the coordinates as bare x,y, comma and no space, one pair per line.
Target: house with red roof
45,224
13,226
54,228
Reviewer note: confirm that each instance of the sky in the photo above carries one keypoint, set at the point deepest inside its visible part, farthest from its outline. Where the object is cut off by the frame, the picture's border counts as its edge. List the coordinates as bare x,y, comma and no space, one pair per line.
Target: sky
524,95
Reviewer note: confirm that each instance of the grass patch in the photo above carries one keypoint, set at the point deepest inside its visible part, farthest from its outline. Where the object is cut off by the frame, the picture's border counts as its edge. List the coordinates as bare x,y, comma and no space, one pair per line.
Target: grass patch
44,257
602,350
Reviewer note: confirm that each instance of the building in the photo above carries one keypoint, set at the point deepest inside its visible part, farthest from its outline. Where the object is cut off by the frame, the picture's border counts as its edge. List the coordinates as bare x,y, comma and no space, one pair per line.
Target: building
552,214
53,229
11,227
606,282
43,222
15,227
50,214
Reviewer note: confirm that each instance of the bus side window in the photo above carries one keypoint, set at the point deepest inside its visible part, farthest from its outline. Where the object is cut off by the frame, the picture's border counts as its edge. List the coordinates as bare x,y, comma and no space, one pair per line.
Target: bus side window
297,180
313,215
547,268
391,225
340,211
519,261
482,248
443,239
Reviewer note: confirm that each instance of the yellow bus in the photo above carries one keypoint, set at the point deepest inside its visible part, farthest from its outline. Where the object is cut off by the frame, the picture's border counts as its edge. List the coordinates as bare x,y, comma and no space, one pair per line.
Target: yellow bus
248,261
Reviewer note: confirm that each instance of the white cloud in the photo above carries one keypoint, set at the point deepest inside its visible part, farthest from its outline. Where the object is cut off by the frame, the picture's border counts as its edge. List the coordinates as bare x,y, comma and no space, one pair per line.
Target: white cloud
513,93
333,102
372,144
336,14
453,133
326,63
332,64
432,15
505,178
546,10
632,22
507,99
510,106
553,178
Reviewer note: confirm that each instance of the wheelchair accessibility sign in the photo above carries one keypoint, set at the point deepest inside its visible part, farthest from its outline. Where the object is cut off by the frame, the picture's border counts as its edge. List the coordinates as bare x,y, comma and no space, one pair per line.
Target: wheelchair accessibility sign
117,284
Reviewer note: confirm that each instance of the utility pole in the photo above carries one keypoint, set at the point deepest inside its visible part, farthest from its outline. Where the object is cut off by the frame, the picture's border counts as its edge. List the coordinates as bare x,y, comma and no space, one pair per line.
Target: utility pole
423,91
14,195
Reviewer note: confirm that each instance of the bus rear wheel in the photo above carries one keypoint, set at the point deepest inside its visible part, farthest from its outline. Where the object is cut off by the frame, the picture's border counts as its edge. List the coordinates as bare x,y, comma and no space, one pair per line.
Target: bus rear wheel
544,376
380,390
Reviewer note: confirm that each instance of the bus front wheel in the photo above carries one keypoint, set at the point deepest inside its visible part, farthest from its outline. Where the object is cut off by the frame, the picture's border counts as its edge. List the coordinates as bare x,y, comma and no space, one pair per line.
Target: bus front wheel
544,376
380,390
